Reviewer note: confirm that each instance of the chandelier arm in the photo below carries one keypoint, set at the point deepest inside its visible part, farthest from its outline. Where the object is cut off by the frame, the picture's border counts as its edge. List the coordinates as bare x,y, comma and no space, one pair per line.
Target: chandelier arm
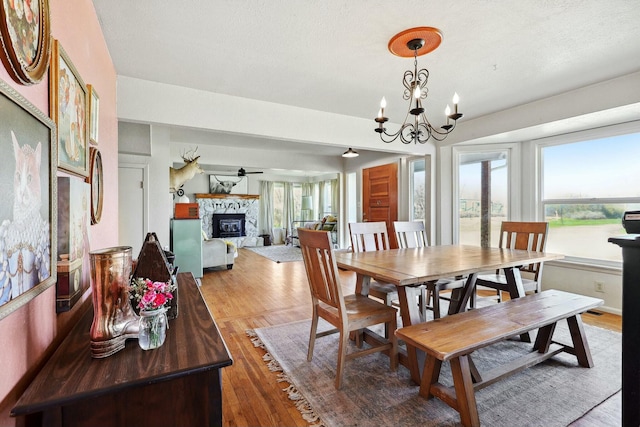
407,82
423,77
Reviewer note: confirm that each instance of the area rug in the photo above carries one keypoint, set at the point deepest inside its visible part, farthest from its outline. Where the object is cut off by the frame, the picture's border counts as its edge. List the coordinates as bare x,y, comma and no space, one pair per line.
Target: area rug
553,393
279,253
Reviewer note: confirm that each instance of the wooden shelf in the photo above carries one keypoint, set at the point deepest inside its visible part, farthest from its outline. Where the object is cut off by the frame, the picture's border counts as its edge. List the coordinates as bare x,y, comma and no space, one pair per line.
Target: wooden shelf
181,380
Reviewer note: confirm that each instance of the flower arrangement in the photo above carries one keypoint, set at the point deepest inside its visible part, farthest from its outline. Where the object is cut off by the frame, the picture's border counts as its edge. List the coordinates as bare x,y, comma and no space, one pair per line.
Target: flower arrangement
151,295
152,298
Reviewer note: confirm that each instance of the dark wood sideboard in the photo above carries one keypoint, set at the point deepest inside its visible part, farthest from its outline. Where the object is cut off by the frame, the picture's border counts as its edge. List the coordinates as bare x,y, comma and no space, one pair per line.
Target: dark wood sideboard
178,384
630,245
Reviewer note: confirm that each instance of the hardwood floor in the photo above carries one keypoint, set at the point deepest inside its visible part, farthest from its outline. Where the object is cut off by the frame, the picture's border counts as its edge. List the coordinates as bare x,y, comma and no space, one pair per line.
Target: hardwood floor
256,293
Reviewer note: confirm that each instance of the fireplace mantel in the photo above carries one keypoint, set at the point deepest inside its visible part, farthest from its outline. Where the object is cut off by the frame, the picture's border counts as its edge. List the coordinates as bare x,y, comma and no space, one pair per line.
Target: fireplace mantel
226,196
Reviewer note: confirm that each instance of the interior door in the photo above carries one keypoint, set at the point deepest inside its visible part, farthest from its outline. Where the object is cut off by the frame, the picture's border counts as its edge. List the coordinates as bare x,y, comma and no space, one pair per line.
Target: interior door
131,199
380,197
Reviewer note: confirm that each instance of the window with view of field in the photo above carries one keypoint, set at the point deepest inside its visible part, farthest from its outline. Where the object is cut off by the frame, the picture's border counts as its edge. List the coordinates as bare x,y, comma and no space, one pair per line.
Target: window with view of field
586,187
471,178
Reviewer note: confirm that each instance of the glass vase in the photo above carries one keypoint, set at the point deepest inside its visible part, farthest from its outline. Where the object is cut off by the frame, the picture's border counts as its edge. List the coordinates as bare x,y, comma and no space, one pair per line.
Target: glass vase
153,328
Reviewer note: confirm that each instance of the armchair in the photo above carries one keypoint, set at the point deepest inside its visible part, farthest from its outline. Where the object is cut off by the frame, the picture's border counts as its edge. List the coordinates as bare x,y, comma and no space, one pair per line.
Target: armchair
216,252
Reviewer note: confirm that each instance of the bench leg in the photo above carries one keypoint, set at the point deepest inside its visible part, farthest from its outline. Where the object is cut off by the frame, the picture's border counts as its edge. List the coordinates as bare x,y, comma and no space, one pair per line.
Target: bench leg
430,375
465,396
580,344
543,338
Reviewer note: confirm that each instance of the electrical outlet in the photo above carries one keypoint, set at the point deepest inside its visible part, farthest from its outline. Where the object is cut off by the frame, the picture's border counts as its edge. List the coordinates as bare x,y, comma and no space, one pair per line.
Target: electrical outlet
599,287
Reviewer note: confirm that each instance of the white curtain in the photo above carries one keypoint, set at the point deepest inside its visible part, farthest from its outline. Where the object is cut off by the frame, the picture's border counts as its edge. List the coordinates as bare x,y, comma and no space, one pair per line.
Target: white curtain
288,210
307,190
265,215
335,197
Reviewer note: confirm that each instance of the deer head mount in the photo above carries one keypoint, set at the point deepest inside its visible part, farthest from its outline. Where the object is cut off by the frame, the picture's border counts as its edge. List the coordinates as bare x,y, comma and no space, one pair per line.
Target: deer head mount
177,177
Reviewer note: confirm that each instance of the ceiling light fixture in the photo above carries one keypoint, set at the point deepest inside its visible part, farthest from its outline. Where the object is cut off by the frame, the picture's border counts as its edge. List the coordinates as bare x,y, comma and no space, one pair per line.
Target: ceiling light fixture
350,153
416,42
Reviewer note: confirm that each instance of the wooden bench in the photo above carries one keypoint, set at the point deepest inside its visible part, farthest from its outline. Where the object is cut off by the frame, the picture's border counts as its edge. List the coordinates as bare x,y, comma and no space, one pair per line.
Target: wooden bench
453,338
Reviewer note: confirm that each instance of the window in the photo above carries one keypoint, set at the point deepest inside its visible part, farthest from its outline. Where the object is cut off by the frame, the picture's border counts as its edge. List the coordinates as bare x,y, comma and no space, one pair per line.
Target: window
483,197
417,193
586,187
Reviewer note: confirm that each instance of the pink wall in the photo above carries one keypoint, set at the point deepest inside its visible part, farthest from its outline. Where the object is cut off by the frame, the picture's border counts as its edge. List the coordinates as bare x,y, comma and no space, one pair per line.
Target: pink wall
29,335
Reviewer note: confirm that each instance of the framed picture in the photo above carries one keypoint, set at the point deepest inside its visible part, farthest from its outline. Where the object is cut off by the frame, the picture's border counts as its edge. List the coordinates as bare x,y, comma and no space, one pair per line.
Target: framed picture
28,213
73,241
26,39
68,105
95,179
222,184
94,113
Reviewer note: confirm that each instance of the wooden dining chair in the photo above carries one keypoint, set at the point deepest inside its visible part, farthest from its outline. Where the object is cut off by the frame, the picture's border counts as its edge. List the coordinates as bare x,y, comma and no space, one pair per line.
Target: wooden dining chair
347,313
412,234
372,236
531,236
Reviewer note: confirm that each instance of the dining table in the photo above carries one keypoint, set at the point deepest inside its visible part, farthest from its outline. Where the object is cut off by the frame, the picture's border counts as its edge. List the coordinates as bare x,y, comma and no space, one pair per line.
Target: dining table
409,268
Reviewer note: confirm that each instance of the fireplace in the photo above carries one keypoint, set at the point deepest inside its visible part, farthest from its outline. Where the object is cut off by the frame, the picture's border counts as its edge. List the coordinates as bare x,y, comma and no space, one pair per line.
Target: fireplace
228,225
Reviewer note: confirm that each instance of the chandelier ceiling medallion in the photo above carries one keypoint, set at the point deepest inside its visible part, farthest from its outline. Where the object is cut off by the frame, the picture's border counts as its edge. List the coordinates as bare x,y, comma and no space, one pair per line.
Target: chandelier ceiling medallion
416,42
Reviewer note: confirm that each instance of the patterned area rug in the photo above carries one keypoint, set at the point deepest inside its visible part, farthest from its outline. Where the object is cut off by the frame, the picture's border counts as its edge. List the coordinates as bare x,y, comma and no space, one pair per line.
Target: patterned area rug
279,253
553,393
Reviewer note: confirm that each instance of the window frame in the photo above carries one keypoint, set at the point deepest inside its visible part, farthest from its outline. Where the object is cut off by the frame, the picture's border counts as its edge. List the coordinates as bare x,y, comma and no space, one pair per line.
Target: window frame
572,138
513,179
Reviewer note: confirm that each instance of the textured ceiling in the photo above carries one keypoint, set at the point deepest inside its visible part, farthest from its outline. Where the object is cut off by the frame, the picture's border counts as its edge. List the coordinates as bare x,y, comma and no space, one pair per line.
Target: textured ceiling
332,55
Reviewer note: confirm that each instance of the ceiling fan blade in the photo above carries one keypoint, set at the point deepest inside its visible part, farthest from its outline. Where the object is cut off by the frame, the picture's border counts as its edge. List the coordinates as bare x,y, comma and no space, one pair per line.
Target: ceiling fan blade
242,172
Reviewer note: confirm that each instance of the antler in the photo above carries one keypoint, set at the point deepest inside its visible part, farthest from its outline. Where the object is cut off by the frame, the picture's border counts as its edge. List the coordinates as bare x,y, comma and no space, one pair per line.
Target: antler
189,156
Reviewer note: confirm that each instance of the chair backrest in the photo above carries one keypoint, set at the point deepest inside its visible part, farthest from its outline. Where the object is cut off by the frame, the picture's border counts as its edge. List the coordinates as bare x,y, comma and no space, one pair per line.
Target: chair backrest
410,234
531,236
321,267
368,236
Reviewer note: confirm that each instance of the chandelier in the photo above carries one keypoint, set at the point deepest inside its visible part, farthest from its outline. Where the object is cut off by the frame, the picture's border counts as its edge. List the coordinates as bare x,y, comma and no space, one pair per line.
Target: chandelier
416,127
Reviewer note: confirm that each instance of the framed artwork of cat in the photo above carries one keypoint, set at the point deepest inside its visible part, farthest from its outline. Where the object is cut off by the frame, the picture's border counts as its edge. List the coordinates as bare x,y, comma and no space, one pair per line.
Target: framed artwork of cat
26,39
68,104
28,217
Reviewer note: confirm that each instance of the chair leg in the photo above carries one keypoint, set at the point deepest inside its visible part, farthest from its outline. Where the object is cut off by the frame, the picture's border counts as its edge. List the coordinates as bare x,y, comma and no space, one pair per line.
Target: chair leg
393,356
312,335
422,302
342,357
436,302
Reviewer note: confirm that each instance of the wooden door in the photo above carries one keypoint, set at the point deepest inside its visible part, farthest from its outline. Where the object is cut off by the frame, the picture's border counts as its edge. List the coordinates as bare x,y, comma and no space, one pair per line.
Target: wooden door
380,197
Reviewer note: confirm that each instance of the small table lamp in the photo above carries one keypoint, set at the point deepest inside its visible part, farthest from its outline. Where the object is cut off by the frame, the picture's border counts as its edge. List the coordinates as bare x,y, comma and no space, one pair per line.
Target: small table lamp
307,203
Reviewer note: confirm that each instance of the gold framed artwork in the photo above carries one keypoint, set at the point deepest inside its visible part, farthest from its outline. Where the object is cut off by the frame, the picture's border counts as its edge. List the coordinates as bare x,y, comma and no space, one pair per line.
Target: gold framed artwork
28,214
68,105
26,39
97,185
94,114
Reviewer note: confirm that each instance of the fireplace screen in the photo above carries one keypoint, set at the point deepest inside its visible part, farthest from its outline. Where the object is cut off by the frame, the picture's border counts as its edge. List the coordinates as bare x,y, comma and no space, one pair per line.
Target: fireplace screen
228,225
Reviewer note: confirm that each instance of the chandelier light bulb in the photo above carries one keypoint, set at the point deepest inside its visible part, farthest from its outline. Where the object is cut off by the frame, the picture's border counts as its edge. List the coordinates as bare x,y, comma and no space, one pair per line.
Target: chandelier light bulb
447,111
456,99
416,91
380,113
383,103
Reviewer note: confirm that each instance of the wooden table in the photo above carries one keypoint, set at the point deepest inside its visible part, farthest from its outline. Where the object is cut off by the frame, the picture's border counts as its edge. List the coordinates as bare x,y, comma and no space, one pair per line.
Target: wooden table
176,384
405,267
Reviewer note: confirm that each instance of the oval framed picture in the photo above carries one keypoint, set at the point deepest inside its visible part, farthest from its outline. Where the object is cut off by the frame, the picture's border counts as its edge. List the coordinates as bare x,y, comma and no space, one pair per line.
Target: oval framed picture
97,189
26,39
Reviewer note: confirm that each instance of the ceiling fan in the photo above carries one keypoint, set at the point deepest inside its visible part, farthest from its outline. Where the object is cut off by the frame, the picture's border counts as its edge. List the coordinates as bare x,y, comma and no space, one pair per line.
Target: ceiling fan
242,172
